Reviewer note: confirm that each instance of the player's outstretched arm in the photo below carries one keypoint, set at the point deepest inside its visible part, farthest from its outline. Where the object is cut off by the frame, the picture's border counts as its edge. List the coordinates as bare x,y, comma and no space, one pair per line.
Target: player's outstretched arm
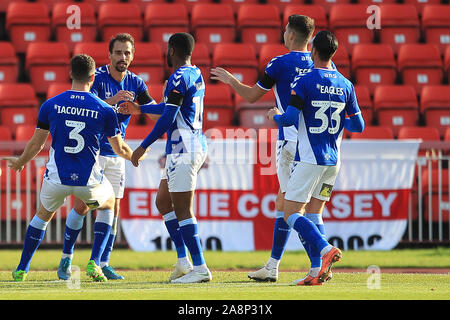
32,149
250,94
286,119
120,147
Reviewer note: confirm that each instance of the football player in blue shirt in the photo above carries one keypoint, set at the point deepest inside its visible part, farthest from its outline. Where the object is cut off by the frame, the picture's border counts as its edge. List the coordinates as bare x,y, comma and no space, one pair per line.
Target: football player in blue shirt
279,74
113,83
182,119
77,120
319,103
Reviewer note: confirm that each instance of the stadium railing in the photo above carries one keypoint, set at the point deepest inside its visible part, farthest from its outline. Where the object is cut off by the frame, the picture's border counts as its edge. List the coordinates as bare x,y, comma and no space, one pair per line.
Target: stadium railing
428,218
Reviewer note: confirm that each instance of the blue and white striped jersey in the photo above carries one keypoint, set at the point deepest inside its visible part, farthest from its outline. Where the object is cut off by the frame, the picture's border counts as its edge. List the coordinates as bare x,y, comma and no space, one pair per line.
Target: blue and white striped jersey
77,122
105,86
286,69
327,97
185,134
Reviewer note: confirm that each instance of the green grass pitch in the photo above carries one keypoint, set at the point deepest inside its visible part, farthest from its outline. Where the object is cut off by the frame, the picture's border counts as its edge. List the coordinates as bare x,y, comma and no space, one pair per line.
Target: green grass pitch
146,275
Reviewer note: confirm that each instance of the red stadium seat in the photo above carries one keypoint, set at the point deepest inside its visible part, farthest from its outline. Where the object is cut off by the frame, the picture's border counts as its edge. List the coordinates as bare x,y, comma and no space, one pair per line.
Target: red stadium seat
317,12
373,132
97,50
435,107
341,59
137,132
365,103
57,88
219,109
27,22
329,4
156,91
436,203
447,61
447,135
436,25
201,58
98,3
349,24
396,106
114,18
239,59
20,95
24,132
399,25
416,132
13,117
161,20
213,23
373,64
420,64
282,4
259,24
268,52
254,115
5,133
236,4
47,62
5,3
189,4
420,4
148,62
144,3
85,31
9,63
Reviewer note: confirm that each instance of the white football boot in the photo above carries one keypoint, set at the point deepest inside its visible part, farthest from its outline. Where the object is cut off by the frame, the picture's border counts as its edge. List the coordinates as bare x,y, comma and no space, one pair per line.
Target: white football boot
264,274
181,268
194,277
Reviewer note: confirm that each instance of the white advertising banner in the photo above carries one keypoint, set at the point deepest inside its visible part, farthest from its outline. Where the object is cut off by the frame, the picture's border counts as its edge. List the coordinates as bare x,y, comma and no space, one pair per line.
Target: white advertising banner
236,191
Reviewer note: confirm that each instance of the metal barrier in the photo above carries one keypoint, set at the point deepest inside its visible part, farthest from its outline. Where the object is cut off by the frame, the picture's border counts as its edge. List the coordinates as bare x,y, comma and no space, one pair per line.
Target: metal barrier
428,219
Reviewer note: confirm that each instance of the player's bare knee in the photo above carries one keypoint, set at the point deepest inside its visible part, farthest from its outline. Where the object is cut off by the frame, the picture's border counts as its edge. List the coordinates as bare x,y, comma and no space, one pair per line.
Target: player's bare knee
279,202
108,205
117,207
80,207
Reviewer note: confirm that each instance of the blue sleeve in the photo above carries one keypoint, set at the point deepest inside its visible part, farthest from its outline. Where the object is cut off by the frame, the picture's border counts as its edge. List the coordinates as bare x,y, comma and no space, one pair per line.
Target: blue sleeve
162,125
95,86
112,127
355,123
289,118
43,114
153,108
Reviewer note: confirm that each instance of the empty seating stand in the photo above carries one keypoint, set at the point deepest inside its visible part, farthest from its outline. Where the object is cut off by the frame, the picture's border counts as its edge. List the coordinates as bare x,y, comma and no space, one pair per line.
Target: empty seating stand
116,18
47,62
435,106
396,106
27,22
161,20
373,65
9,63
74,22
213,23
259,24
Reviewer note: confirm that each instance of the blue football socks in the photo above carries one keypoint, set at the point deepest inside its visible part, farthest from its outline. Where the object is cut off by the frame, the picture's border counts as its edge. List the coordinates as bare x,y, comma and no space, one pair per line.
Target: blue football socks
104,259
102,228
307,231
189,231
74,224
171,222
33,237
281,232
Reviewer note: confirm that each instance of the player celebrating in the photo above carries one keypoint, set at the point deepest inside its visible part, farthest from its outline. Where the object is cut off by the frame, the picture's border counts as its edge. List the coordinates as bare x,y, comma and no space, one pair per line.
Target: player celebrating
76,120
185,149
319,102
114,83
280,72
